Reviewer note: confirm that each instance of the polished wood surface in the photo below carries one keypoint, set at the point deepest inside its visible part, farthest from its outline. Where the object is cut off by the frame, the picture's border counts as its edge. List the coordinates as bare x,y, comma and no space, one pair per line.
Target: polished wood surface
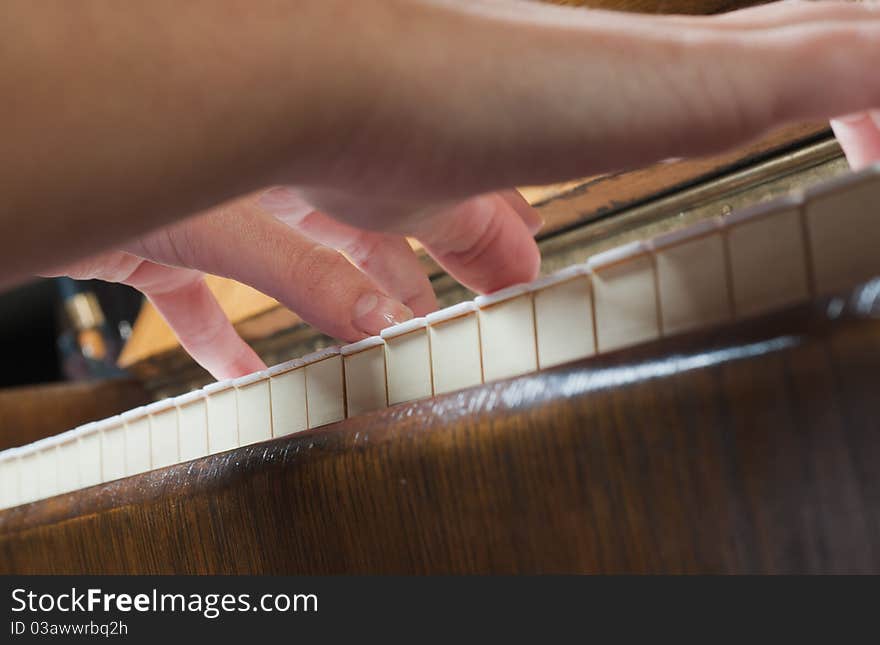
748,448
34,412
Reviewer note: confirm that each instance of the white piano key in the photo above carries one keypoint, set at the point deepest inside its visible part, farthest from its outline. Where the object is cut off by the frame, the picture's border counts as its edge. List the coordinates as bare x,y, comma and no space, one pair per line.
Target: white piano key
564,317
325,389
163,434
113,453
692,280
456,360
408,360
364,367
507,333
768,262
47,464
89,444
137,441
287,390
28,474
843,225
254,408
68,469
9,495
624,296
192,424
222,417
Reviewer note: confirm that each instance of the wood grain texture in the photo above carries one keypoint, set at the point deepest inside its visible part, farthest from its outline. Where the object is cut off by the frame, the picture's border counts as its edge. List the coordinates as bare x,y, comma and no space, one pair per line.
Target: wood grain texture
31,413
748,448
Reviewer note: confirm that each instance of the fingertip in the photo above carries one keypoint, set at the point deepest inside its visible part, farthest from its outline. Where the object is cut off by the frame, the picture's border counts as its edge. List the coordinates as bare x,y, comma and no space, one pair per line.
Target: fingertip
485,245
374,311
247,362
859,136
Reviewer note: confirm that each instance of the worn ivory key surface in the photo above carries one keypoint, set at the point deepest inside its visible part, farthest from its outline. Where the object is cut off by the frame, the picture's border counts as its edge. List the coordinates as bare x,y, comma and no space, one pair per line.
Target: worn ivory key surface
287,385
222,417
137,441
456,361
408,360
47,468
692,279
254,408
68,473
28,475
89,454
9,493
768,264
365,388
192,421
564,317
325,387
507,333
112,439
163,433
843,225
624,296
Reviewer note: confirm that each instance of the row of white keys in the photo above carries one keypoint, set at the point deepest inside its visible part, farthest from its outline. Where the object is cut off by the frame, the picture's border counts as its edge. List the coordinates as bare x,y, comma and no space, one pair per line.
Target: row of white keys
744,264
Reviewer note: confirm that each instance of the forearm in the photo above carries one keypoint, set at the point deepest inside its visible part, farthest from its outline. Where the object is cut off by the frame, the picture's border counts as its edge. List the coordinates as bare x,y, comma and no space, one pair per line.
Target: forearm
120,117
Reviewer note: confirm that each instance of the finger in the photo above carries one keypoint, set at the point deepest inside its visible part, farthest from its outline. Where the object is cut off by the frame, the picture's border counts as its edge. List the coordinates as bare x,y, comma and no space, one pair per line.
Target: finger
530,217
193,313
241,242
387,259
859,136
186,304
483,242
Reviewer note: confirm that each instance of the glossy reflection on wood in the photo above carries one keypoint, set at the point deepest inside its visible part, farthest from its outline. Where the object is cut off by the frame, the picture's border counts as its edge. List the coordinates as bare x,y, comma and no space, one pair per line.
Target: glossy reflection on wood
750,448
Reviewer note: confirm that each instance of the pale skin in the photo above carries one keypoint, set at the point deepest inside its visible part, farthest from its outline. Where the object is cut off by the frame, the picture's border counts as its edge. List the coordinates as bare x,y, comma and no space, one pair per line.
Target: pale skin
152,142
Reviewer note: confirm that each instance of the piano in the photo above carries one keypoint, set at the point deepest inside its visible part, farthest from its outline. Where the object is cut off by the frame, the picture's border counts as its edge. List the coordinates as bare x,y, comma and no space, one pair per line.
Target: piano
625,413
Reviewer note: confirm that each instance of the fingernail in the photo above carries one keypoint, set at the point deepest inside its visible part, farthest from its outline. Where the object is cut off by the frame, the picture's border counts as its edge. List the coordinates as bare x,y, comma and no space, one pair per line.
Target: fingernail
373,312
280,199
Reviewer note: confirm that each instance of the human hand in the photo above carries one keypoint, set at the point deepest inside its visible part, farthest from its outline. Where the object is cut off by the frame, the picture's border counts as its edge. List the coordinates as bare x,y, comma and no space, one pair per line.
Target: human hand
472,96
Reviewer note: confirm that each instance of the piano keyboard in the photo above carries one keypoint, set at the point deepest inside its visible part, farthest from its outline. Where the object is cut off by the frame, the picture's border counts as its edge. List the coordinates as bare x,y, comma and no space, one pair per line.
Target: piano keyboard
732,267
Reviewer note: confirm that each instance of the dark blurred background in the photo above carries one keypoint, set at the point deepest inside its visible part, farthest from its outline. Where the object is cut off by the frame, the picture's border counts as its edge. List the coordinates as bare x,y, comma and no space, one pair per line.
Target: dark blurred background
59,329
